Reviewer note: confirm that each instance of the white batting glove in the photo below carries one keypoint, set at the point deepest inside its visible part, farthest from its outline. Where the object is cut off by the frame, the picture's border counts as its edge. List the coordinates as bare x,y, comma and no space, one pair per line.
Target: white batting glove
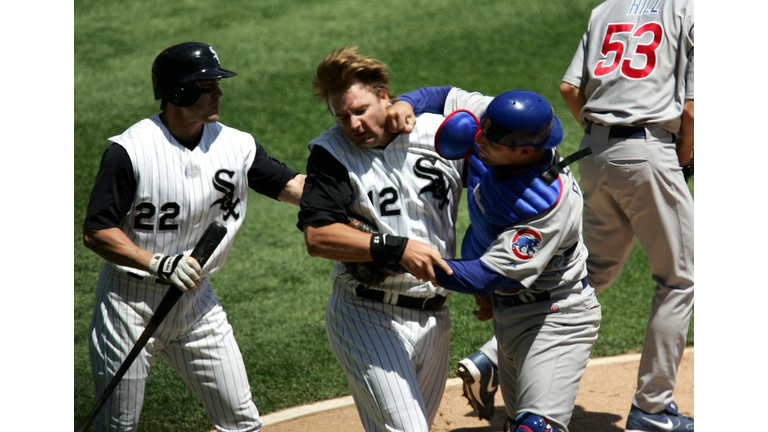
182,271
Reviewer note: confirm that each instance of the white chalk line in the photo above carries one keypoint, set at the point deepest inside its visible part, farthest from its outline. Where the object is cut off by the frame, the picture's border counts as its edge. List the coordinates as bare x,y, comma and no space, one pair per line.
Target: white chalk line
317,407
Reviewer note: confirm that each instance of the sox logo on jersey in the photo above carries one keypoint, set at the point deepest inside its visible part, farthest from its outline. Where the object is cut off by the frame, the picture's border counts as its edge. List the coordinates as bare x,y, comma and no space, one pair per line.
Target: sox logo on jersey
425,169
227,204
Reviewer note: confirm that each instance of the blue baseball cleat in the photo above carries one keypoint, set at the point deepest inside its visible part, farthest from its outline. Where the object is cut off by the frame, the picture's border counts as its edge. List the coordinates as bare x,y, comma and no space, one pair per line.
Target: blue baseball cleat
481,380
669,420
528,422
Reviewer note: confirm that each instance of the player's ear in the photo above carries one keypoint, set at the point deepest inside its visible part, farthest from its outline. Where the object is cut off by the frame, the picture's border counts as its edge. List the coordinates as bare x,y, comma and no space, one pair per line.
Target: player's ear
525,150
384,95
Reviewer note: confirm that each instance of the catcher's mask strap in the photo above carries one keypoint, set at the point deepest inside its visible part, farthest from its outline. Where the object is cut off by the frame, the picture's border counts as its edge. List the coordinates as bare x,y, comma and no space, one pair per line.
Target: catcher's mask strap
551,174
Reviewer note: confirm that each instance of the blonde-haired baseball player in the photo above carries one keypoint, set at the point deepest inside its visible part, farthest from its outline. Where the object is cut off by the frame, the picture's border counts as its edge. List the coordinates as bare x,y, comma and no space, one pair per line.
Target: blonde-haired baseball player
392,339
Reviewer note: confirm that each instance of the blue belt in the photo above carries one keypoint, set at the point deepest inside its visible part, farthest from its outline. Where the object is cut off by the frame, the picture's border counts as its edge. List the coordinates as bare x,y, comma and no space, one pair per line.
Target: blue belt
621,131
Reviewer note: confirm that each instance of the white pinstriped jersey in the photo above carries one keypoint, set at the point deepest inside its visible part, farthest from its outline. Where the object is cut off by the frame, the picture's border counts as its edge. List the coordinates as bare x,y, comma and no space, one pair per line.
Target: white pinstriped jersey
179,192
405,189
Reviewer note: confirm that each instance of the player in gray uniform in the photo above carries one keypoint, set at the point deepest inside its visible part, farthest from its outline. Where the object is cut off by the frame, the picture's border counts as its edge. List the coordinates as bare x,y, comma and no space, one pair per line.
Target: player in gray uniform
391,340
523,257
160,183
630,85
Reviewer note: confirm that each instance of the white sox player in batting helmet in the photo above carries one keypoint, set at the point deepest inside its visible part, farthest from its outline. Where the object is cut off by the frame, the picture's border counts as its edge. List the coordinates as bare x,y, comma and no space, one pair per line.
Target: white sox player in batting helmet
160,184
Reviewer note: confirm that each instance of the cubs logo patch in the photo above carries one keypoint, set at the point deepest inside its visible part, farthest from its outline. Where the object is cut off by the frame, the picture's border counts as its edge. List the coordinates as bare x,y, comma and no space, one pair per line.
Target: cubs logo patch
525,243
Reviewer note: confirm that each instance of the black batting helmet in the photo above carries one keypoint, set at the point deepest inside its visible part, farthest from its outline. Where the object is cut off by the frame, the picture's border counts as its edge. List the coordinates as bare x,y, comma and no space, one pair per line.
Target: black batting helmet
176,70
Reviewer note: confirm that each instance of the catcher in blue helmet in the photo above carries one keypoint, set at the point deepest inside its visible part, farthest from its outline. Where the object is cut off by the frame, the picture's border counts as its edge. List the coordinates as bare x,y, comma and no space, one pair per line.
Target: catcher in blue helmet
523,257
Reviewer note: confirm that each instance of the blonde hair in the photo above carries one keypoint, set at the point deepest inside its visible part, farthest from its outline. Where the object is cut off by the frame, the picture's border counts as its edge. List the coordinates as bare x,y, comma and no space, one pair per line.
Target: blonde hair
343,67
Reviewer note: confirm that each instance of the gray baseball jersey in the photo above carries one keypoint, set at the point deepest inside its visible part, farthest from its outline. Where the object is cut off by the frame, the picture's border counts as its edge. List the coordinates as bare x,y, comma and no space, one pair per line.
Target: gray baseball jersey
635,67
635,63
178,193
539,371
395,358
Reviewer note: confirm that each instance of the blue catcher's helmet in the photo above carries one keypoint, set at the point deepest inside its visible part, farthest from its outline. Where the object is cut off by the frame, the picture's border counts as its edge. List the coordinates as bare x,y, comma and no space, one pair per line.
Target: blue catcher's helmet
522,118
176,70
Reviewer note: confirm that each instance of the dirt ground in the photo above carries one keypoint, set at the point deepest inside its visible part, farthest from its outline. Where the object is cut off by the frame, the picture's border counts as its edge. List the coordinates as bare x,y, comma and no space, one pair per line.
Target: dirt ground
602,405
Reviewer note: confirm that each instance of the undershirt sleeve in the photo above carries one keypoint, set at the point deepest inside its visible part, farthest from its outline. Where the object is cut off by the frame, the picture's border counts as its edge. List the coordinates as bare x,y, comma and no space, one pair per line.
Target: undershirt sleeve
327,190
113,190
268,176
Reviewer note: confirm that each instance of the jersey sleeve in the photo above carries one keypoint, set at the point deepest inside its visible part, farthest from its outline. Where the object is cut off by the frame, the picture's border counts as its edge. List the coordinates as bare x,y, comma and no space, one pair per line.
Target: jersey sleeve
113,190
515,260
268,176
575,72
523,252
327,190
475,102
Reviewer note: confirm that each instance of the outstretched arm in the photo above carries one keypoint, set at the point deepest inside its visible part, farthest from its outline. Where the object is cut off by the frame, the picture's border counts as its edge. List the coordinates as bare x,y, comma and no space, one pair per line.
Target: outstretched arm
340,242
474,277
292,191
401,115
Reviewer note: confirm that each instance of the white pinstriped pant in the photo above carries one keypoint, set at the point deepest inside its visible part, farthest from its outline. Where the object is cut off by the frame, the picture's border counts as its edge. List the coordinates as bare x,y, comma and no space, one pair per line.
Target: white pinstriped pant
195,338
395,359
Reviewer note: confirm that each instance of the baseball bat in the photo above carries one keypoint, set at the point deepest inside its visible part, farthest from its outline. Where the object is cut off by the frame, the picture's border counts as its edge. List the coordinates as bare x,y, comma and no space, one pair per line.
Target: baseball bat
203,250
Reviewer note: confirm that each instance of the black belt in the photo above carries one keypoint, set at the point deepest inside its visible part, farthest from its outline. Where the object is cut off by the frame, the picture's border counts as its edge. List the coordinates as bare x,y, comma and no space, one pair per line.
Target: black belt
425,303
621,131
147,278
525,297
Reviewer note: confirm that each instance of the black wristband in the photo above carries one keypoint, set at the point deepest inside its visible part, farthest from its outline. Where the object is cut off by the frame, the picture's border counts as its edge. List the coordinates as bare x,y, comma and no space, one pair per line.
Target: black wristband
168,265
387,249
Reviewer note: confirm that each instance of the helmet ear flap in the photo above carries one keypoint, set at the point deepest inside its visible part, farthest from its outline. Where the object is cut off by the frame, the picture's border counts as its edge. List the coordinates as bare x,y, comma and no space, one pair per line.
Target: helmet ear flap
159,93
185,95
182,95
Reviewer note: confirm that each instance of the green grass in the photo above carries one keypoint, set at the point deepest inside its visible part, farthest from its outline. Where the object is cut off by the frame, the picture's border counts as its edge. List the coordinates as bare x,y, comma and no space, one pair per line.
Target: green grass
274,293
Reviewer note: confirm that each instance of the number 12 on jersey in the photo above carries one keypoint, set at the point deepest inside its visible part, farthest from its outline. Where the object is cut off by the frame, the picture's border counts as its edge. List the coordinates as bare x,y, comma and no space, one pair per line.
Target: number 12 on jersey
618,46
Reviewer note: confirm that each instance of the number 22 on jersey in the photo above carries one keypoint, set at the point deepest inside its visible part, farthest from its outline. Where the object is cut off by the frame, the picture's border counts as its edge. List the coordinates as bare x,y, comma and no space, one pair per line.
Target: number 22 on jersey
616,40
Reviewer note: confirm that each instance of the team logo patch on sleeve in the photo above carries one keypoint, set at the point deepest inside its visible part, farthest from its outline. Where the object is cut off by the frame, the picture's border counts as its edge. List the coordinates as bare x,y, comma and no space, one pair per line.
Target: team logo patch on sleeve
525,243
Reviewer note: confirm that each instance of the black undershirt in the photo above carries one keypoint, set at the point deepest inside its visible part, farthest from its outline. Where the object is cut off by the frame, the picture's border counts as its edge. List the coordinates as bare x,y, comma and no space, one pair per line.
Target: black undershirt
327,190
115,185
